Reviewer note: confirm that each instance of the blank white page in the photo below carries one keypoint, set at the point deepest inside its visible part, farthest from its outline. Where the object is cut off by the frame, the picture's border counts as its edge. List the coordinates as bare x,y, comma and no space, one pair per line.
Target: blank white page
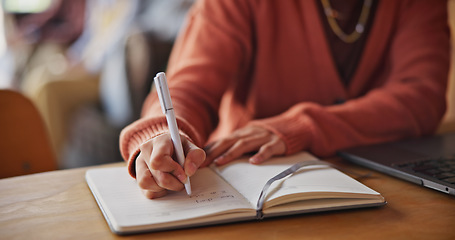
249,179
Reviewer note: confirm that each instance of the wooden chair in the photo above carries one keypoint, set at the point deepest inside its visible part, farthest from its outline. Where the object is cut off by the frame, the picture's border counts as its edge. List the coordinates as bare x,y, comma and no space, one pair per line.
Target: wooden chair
24,143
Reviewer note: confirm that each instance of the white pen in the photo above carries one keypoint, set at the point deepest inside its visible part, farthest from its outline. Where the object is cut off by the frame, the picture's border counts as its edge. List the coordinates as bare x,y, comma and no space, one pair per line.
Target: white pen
168,110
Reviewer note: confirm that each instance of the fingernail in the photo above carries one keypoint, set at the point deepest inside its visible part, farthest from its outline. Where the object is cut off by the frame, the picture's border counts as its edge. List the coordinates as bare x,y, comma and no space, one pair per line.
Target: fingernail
255,159
192,169
182,178
218,160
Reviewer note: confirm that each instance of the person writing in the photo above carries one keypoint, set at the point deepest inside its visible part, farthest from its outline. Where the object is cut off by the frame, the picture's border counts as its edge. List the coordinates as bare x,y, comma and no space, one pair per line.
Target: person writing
278,77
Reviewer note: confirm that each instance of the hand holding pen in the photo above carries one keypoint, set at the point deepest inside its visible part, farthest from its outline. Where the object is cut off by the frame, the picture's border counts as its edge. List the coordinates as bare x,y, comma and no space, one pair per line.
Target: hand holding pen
156,170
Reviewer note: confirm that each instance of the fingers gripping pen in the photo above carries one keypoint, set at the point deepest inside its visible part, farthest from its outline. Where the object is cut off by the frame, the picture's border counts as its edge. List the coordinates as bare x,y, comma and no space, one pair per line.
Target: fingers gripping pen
168,110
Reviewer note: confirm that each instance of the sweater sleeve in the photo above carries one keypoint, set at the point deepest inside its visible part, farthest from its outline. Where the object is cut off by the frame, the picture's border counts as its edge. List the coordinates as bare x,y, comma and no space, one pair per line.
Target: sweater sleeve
215,46
410,102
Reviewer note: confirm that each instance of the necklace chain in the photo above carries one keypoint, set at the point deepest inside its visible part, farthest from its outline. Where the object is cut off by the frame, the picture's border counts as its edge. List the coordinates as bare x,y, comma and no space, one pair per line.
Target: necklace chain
359,27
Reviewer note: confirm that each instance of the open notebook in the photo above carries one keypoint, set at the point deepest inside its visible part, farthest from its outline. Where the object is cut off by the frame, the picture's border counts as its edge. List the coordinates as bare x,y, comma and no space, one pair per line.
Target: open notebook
228,193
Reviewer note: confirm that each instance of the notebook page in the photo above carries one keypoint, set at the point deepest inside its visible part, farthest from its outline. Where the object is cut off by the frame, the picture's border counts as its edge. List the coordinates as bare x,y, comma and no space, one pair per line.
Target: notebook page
125,205
249,179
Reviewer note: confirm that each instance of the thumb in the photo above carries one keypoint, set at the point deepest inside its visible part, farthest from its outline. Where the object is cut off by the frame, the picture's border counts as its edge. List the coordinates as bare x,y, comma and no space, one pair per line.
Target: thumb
195,156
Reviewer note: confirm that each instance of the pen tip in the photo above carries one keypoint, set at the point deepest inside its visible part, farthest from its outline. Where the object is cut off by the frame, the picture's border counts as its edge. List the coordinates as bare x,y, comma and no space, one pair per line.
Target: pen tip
188,190
188,186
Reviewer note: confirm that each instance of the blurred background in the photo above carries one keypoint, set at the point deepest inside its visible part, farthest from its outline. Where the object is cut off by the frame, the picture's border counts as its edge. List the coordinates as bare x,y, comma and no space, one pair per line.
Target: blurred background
86,65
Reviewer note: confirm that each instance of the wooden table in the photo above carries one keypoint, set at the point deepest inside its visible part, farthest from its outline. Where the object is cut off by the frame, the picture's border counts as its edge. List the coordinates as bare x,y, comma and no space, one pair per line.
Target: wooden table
59,205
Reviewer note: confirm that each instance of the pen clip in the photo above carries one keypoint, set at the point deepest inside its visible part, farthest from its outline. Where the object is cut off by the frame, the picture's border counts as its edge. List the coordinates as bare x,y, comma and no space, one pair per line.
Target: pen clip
163,92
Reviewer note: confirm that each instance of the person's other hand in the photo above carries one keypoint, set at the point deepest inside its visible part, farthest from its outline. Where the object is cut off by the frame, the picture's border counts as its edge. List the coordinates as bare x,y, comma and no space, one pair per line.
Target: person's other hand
156,170
248,139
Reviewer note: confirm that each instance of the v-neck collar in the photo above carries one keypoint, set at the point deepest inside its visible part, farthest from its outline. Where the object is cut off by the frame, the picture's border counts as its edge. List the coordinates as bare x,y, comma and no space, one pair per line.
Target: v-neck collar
375,44
377,40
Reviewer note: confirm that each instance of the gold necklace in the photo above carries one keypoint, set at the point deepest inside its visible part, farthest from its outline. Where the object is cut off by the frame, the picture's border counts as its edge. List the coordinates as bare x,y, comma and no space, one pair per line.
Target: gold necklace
359,27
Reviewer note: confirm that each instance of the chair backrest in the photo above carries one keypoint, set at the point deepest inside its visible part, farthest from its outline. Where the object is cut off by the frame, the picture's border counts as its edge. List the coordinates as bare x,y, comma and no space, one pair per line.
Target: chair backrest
24,143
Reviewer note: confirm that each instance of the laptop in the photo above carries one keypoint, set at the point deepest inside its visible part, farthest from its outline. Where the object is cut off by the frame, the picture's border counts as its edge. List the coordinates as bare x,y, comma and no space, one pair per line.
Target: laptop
428,161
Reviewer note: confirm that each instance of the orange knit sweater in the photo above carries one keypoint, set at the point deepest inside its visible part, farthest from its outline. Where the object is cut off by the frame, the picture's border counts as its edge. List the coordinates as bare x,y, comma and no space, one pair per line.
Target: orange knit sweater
268,63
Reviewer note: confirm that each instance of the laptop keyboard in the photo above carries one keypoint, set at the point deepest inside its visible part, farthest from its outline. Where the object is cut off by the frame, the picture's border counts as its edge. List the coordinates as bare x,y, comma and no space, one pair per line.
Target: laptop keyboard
441,168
